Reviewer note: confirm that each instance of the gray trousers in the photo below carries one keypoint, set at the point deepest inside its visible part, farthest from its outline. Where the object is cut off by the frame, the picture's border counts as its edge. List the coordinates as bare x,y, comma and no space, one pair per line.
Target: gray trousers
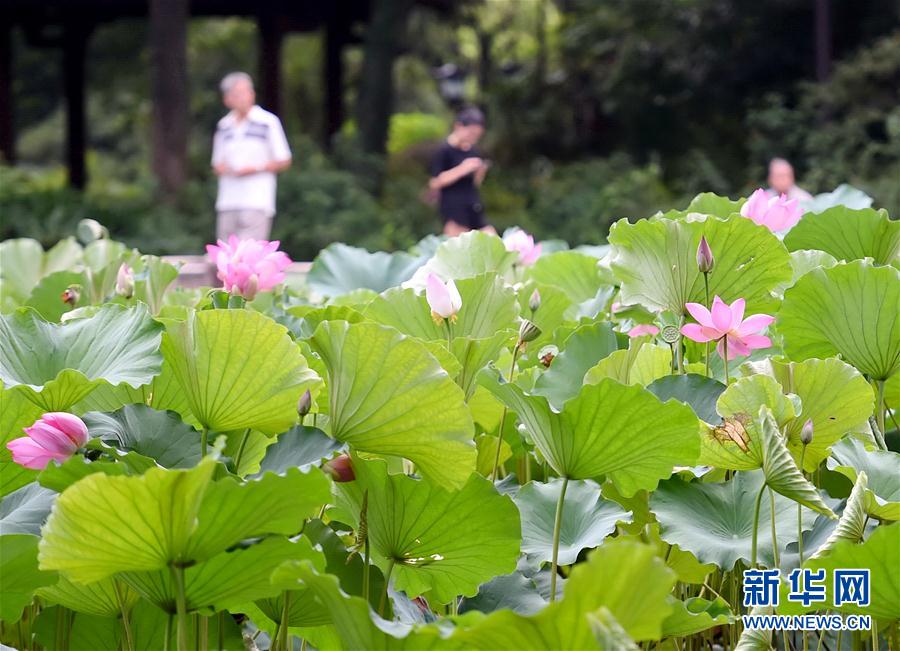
245,223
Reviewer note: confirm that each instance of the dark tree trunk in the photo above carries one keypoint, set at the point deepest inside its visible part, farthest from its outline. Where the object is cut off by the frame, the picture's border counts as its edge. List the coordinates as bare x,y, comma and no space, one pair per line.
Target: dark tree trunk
168,47
270,40
74,46
334,80
7,136
823,39
485,62
386,28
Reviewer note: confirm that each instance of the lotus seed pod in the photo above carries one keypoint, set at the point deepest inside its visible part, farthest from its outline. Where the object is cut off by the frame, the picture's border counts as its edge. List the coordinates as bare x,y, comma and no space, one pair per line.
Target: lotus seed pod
528,331
670,334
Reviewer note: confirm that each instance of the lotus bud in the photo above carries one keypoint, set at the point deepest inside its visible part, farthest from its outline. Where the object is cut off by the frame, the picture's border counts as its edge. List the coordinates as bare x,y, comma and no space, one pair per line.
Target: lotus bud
125,281
89,230
535,301
705,259
340,468
806,434
304,404
71,295
251,287
528,332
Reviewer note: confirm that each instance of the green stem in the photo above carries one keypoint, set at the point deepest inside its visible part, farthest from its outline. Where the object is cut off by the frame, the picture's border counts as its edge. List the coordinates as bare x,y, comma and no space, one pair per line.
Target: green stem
753,545
126,624
180,607
879,409
285,622
204,433
203,624
387,581
774,537
240,452
725,356
167,639
366,571
680,347
221,632
512,369
557,525
706,285
800,520
449,334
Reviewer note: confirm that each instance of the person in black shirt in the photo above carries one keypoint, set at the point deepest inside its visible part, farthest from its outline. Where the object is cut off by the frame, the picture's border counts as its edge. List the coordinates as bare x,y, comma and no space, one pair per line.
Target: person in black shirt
457,171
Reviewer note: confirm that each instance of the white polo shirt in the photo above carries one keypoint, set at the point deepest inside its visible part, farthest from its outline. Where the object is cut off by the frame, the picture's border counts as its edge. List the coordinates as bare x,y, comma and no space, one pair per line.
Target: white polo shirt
256,140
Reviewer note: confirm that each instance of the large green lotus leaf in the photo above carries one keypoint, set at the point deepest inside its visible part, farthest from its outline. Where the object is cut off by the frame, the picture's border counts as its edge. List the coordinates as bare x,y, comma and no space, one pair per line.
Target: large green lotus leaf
226,579
642,363
21,576
586,346
23,263
548,317
445,543
13,476
302,320
610,429
880,554
299,447
851,310
472,355
833,394
16,413
882,467
577,274
804,261
238,369
608,633
46,297
848,234
739,405
24,511
695,615
469,254
625,577
710,203
488,305
340,269
55,366
388,395
699,392
715,521
780,469
587,519
852,523
152,278
169,516
160,435
756,639
356,625
514,591
303,609
656,262
97,598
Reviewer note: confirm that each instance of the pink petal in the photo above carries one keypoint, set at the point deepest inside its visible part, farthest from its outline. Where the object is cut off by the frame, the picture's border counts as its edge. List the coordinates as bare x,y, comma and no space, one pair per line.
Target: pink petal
29,454
754,323
735,348
756,341
757,206
700,313
695,332
68,423
737,313
52,440
643,329
721,315
438,297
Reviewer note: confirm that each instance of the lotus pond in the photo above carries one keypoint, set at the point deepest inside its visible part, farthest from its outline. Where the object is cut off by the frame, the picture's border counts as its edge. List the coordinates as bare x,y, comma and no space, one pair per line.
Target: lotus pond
481,443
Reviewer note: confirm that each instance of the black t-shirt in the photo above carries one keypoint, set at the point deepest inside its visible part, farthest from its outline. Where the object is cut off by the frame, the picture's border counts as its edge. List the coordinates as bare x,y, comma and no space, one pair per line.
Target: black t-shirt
460,201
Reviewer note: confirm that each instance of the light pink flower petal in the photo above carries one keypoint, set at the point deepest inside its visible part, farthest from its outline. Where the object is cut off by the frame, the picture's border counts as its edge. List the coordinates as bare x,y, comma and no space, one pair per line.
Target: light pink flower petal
695,332
754,323
757,206
50,438
700,313
438,296
756,341
455,298
721,315
737,313
68,423
643,329
29,454
735,348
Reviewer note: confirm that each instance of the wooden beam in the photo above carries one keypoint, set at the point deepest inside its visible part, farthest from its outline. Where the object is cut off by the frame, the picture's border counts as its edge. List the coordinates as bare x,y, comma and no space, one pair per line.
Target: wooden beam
7,135
74,47
271,36
335,38
169,88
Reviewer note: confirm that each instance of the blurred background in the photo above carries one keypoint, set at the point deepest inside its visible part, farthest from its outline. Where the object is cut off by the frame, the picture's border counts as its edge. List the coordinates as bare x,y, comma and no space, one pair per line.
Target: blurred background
597,109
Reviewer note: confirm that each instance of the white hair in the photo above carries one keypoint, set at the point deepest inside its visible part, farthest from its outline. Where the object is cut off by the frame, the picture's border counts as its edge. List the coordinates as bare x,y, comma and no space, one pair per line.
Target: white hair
228,81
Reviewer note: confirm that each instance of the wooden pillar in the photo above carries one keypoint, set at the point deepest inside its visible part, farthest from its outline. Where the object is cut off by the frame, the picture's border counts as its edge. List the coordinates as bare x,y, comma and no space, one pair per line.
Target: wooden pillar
823,39
271,36
74,47
169,88
7,135
334,80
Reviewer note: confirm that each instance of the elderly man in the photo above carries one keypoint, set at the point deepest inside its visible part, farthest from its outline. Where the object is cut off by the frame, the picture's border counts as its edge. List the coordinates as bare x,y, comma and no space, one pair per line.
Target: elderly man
781,181
249,149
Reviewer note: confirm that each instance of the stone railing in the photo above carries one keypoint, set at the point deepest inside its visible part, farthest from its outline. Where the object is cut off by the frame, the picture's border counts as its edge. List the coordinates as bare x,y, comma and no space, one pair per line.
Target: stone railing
198,271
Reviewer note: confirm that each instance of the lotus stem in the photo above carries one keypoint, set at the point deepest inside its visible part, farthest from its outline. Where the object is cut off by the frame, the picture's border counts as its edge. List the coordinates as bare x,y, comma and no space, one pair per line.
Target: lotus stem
387,582
126,624
725,356
203,638
168,633
557,525
204,433
706,286
180,606
240,452
512,369
879,409
800,519
221,633
772,517
753,545
366,570
284,636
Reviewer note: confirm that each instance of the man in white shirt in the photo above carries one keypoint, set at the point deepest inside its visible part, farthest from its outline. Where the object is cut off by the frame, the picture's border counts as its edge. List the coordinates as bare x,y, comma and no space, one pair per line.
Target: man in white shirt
249,149
781,181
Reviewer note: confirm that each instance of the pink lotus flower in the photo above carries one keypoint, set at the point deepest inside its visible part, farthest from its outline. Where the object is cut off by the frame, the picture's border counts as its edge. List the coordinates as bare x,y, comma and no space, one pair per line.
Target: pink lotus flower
248,266
727,325
125,281
340,468
775,213
444,299
643,329
54,436
522,243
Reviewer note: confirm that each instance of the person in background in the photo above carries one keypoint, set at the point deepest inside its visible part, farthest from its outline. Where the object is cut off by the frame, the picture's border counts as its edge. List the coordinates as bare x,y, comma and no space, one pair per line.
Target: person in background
781,181
457,171
249,149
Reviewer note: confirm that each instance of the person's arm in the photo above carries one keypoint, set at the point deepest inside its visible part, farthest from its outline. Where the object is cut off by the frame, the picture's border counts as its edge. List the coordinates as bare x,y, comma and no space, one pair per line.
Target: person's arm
481,172
219,166
281,152
454,174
